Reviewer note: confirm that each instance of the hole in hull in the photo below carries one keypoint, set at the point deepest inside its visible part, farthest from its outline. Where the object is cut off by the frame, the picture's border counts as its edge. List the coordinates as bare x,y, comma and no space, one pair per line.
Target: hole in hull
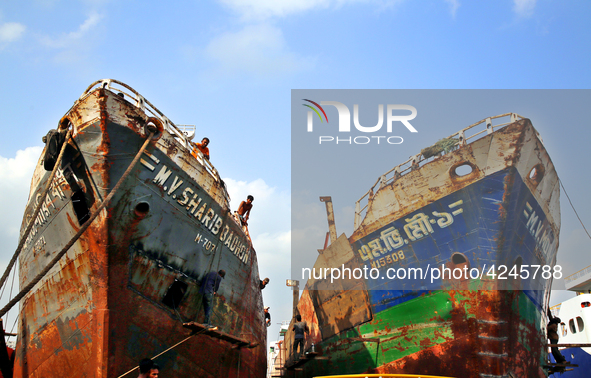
80,206
174,294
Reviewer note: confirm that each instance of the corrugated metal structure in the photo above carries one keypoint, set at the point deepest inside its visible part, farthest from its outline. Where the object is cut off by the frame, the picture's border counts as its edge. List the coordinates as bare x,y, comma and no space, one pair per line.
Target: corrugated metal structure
491,198
124,289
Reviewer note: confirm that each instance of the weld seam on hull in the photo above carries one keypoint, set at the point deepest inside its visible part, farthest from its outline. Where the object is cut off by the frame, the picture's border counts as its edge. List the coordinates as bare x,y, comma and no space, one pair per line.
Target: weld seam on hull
489,354
504,338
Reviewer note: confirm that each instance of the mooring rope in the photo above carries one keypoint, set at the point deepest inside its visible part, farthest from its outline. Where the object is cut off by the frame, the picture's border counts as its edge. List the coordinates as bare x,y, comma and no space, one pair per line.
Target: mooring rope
575,210
161,353
37,210
86,224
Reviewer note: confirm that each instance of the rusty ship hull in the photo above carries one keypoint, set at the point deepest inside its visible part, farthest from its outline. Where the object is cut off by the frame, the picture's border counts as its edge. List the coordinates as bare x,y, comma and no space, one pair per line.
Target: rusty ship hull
124,289
428,213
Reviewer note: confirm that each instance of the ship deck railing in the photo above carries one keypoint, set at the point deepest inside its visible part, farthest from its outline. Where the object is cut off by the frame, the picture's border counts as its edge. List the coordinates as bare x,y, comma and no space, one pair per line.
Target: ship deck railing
581,273
463,137
182,133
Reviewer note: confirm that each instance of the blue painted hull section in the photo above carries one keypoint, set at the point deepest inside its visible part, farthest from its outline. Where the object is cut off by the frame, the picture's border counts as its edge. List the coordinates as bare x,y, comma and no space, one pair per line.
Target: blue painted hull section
492,222
575,356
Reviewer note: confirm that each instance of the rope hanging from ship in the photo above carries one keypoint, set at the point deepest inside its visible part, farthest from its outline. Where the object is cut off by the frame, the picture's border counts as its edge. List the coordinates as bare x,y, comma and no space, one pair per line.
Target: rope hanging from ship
36,212
227,218
86,224
193,334
161,353
571,205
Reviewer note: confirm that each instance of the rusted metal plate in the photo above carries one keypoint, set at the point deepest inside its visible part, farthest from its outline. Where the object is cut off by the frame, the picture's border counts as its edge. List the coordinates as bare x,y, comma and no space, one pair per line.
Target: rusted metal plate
506,211
102,308
489,154
342,311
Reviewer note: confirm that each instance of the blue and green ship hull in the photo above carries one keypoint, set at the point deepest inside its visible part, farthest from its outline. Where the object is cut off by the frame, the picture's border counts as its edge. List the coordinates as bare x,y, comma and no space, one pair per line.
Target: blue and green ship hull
497,225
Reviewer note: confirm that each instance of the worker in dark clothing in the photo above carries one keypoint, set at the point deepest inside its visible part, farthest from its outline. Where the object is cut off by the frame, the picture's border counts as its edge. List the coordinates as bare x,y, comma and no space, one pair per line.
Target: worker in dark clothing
148,369
300,328
553,337
263,283
267,316
209,287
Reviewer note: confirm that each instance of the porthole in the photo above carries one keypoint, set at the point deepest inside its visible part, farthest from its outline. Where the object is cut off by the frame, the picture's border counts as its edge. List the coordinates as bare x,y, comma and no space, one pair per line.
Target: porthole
580,323
458,258
463,170
536,174
141,209
532,173
571,326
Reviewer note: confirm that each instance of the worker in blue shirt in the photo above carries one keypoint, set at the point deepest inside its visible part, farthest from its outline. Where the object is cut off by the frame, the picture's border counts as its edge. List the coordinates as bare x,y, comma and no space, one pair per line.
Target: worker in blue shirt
209,287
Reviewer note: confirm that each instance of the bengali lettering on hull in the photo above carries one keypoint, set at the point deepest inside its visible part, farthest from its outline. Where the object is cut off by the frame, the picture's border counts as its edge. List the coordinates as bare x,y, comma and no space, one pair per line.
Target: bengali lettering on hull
498,230
402,309
125,287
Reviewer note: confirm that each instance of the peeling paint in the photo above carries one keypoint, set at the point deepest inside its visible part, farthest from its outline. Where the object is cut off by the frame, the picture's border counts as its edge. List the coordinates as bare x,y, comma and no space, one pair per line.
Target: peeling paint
99,310
467,330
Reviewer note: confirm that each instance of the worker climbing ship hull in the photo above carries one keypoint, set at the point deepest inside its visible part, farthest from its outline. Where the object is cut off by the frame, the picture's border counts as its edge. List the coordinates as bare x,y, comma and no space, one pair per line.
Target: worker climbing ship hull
123,290
430,233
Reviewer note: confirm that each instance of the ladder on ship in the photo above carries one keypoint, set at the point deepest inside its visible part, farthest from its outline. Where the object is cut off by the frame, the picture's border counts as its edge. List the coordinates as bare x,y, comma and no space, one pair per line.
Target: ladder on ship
493,346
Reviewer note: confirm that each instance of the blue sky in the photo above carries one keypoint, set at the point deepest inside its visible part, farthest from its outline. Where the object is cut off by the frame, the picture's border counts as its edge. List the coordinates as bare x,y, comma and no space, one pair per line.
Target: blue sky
229,66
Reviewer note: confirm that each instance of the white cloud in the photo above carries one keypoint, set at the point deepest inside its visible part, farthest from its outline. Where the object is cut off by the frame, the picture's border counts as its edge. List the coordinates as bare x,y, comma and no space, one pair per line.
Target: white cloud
453,7
75,48
19,167
271,211
524,8
257,49
71,39
269,8
262,9
11,31
15,179
269,225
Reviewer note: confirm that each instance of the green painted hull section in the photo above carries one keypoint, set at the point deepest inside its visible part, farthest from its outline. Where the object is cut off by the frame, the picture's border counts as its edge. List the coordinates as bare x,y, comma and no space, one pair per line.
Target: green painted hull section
406,329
